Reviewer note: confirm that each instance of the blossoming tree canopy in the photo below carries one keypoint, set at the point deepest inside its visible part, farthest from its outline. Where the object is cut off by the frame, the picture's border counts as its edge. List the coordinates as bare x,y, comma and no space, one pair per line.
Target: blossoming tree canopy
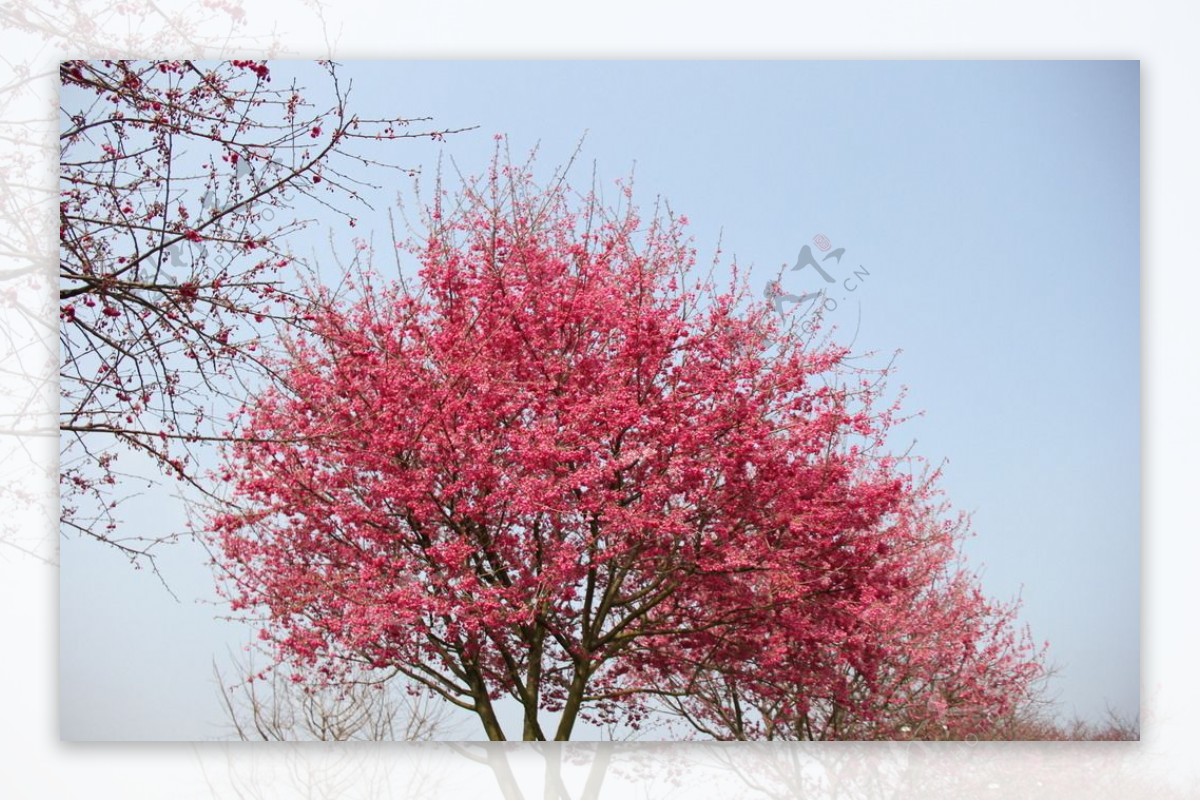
181,186
559,469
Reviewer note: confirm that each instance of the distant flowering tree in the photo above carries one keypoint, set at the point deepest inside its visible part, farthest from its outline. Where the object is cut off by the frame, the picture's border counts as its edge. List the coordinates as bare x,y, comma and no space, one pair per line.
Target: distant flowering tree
914,652
558,468
177,185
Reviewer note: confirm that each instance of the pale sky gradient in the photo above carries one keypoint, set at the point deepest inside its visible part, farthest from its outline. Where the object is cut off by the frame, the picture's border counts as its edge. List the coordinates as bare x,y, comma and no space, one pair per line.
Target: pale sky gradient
994,208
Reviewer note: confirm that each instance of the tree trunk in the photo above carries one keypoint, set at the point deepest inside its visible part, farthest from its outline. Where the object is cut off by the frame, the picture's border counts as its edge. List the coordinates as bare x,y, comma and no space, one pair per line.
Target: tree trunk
583,671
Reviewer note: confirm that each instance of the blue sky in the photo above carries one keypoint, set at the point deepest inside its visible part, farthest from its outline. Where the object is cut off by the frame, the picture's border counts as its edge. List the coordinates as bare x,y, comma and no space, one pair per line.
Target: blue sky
993,210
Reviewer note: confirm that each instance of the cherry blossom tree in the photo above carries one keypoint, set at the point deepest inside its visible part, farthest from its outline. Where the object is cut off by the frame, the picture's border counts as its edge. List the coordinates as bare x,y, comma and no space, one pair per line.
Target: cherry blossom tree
559,468
917,652
179,187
